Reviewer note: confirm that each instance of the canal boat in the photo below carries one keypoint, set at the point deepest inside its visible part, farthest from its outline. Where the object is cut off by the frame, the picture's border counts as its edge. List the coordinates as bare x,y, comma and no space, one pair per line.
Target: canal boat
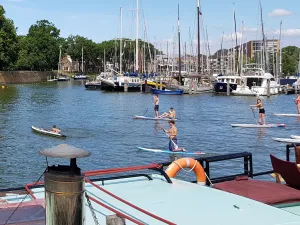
47,132
99,196
167,91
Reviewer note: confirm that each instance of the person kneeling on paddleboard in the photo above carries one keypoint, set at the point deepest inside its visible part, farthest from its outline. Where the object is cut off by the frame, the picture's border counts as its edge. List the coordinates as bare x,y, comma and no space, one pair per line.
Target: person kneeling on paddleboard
260,106
54,129
171,114
172,134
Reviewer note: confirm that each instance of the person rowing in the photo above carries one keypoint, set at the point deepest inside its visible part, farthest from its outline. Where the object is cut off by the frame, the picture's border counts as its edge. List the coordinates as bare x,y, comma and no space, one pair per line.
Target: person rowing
171,114
54,129
172,134
260,106
297,101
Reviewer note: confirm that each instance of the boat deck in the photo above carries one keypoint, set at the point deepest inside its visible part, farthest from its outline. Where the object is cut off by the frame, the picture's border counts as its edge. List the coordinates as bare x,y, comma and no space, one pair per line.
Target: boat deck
179,202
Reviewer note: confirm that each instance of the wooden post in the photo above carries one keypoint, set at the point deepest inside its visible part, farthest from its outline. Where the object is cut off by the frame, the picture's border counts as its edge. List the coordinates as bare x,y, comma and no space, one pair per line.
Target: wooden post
196,85
160,83
296,88
286,89
126,86
115,220
156,83
268,88
228,87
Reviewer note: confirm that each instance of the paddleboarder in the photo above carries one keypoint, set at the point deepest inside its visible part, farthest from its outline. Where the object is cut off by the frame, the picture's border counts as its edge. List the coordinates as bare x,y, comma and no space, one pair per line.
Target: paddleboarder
54,129
297,101
156,105
171,114
172,134
260,106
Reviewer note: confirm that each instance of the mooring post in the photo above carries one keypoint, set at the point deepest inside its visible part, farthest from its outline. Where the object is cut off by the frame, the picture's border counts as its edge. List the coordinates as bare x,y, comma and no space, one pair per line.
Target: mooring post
228,87
286,89
160,83
190,87
156,83
268,88
296,88
126,85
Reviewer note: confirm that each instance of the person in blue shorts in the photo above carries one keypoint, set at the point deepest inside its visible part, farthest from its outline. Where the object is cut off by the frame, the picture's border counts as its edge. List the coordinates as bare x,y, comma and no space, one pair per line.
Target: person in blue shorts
156,105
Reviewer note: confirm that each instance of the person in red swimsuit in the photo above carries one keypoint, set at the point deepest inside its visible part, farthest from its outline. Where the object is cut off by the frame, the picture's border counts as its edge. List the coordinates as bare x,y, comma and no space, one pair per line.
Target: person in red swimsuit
297,101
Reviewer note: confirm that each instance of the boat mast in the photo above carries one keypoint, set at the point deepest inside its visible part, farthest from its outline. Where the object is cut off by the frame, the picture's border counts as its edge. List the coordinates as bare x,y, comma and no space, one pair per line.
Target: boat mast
280,52
264,41
82,59
104,63
236,43
137,38
179,48
59,63
198,15
221,62
121,40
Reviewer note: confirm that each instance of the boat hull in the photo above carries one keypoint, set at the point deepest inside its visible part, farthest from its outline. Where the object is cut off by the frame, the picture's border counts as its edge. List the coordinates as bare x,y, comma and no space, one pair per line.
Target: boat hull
45,132
166,92
220,87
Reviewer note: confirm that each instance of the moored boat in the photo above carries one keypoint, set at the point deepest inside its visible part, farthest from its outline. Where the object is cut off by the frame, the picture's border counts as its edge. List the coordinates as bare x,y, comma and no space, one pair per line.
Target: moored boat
167,91
93,85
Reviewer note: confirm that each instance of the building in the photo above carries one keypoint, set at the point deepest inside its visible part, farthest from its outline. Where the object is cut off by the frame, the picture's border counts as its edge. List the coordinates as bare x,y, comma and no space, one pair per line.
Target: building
68,65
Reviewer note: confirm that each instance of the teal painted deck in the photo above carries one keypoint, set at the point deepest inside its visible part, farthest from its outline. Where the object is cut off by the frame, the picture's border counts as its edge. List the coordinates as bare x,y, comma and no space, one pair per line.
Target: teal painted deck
181,203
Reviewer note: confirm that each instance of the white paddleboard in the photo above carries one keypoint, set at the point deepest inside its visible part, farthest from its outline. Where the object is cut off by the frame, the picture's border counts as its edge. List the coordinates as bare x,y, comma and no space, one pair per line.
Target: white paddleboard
151,118
258,125
295,137
169,152
287,140
287,115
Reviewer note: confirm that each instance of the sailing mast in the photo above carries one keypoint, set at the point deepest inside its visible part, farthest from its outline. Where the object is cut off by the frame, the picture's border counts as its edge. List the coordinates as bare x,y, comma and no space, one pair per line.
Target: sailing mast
264,41
236,43
82,60
137,38
121,40
59,64
280,52
179,48
221,61
198,15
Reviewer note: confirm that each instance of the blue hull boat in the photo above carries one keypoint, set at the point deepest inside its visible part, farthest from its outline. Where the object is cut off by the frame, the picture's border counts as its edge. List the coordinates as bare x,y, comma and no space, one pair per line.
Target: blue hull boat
166,92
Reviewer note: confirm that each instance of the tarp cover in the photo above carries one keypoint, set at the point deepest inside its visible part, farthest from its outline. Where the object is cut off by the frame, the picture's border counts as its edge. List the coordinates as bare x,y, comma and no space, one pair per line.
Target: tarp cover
28,215
263,191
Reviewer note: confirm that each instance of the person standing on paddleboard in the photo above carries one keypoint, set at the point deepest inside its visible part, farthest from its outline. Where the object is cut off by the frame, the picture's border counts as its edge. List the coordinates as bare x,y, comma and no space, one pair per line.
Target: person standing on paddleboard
172,133
156,105
297,101
260,106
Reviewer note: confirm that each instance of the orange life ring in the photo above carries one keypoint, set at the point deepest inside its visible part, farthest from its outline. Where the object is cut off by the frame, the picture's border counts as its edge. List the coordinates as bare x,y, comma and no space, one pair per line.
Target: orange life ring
193,164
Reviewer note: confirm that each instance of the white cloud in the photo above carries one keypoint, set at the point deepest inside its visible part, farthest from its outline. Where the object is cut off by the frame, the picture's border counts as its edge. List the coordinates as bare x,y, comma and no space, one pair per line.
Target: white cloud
288,32
280,12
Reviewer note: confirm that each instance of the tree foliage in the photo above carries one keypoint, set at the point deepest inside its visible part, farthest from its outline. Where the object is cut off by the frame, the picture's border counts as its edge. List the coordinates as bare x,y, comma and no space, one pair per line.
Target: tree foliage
290,59
8,42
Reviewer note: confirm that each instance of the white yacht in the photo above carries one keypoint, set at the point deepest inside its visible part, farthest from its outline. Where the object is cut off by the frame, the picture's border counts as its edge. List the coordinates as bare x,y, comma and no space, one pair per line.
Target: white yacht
220,85
255,82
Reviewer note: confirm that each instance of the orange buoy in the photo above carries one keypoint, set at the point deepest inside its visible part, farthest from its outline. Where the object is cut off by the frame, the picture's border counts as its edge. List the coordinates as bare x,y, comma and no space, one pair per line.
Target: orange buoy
193,164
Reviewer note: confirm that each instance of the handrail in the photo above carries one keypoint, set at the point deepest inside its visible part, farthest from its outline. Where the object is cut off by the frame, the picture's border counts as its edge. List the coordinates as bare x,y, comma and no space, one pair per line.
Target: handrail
128,203
115,211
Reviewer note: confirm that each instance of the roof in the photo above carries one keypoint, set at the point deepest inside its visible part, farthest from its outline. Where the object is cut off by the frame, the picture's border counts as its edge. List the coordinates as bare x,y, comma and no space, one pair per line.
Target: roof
179,202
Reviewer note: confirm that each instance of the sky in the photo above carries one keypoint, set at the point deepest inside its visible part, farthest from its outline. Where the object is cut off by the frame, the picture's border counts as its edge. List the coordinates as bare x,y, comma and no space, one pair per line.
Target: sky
99,20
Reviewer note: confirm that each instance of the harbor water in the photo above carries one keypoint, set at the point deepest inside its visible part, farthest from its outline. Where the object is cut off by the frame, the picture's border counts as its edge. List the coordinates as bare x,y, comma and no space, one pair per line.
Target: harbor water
102,123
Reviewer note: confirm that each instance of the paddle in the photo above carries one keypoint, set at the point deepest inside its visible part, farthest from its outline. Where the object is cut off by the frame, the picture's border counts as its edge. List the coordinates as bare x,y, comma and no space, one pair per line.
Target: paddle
175,145
254,115
145,112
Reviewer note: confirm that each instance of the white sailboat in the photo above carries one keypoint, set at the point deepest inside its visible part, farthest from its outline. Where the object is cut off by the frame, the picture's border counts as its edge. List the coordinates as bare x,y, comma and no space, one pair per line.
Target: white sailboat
80,76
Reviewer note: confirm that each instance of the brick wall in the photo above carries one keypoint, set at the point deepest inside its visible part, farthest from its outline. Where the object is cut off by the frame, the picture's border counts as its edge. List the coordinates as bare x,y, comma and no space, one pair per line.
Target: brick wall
24,77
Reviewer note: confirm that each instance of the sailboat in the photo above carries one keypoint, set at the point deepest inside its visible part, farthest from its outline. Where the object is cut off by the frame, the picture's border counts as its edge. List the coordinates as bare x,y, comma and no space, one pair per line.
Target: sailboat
80,76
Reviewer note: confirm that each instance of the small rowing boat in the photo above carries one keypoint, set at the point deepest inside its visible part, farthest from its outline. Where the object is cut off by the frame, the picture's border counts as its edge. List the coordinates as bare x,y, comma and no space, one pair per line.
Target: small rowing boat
170,152
258,125
47,132
152,118
287,140
287,115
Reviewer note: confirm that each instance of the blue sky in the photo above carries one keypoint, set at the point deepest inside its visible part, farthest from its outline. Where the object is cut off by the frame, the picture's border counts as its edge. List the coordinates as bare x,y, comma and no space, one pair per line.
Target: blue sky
99,20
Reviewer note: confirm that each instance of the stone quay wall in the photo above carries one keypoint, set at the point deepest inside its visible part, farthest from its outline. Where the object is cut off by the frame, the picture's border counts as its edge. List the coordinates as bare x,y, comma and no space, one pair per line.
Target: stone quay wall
24,77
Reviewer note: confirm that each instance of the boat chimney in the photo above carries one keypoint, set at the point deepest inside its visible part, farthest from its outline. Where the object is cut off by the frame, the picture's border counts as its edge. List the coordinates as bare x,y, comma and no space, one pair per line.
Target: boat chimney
64,187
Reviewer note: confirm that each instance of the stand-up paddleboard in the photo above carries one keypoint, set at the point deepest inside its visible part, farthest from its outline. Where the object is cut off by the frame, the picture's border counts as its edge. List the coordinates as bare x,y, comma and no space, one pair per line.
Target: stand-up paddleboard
170,152
287,140
47,132
151,118
258,125
295,137
287,115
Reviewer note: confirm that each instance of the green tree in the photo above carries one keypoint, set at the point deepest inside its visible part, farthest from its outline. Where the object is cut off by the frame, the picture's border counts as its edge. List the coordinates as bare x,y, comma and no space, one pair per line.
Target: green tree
290,58
8,42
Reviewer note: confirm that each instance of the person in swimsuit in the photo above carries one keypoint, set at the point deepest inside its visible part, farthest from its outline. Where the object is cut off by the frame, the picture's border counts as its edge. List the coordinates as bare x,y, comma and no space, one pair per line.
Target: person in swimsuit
260,106
297,101
54,129
172,133
171,114
156,105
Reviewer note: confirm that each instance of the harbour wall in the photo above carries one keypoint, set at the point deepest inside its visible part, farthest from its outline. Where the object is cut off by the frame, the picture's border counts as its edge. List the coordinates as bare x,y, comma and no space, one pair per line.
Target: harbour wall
24,77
